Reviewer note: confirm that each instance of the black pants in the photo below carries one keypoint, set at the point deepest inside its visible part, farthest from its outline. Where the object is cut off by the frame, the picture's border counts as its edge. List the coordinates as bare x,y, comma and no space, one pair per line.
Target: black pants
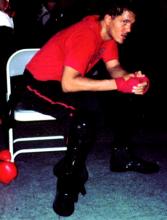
120,112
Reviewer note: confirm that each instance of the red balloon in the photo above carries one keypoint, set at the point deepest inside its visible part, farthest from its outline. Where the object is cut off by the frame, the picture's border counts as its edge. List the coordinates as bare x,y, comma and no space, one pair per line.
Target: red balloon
5,155
8,172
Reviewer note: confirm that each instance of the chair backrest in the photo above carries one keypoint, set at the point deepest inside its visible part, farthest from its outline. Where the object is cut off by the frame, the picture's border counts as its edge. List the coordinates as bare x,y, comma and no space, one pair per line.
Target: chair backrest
16,65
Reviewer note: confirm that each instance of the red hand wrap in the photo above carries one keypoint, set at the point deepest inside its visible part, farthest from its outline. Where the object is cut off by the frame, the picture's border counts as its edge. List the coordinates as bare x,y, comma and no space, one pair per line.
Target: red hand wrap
126,86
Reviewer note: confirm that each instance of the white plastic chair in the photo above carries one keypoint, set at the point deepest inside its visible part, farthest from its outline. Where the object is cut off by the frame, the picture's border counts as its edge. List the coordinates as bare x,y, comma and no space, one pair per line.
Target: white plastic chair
15,66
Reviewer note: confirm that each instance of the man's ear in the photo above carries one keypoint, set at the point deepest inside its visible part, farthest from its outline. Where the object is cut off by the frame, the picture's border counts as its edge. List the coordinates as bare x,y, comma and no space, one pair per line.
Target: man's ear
107,19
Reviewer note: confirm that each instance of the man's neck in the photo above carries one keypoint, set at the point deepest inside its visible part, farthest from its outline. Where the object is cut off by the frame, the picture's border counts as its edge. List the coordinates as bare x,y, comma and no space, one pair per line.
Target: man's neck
104,33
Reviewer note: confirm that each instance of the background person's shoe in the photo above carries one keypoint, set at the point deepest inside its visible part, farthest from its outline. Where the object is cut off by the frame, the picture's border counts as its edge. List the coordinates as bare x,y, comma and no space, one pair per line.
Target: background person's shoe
137,165
122,160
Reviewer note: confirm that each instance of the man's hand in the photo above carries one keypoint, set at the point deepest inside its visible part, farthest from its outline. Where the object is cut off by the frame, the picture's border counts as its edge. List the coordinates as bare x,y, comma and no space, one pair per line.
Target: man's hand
143,86
136,83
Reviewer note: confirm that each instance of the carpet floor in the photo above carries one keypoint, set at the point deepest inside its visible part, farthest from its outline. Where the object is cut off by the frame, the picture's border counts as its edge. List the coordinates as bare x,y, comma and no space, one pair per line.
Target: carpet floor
110,196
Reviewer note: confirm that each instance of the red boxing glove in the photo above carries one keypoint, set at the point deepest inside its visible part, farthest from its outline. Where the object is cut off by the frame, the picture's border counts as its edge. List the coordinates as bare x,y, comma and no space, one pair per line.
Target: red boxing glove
8,172
5,155
126,86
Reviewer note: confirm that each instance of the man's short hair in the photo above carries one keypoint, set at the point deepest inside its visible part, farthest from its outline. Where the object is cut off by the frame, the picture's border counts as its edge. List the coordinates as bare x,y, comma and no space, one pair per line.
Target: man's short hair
117,7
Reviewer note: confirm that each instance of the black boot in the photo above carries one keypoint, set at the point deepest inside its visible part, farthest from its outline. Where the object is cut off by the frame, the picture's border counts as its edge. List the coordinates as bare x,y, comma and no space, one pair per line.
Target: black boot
122,159
68,188
71,170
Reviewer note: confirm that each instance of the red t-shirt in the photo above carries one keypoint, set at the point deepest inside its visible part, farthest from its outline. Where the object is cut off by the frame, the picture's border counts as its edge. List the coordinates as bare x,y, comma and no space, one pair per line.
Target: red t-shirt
79,46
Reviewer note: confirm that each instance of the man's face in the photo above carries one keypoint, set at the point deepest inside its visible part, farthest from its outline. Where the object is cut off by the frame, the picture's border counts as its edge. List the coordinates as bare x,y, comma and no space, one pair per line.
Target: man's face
120,26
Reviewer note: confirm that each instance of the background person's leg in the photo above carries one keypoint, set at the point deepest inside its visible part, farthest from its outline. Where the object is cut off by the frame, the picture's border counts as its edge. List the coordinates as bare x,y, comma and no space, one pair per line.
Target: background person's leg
125,118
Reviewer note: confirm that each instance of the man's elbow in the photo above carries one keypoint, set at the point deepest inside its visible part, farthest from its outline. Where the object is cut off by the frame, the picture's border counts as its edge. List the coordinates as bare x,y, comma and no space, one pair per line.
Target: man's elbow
66,87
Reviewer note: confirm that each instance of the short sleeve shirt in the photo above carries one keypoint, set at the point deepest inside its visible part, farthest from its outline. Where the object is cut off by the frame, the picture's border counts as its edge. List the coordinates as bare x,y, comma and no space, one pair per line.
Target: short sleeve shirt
79,46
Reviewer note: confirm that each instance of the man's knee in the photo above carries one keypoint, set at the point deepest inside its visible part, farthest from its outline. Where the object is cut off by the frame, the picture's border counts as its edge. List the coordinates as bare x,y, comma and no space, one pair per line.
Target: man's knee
82,128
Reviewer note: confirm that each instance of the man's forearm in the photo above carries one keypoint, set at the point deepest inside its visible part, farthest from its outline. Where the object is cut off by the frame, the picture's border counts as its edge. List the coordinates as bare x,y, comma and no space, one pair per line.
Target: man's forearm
117,71
85,84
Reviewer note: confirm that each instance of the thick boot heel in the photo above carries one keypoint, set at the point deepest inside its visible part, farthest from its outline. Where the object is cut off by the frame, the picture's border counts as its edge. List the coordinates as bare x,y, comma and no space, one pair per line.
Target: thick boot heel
63,204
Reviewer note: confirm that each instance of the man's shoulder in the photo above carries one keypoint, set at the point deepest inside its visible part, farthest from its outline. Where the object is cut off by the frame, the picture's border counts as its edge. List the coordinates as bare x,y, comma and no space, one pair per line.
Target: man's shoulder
89,26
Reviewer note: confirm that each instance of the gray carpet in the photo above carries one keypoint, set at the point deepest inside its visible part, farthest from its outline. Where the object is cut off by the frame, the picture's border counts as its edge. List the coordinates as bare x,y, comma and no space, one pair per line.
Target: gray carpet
110,196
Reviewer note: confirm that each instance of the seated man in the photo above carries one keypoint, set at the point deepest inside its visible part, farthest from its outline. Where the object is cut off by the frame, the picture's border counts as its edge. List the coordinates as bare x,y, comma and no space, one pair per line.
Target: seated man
57,83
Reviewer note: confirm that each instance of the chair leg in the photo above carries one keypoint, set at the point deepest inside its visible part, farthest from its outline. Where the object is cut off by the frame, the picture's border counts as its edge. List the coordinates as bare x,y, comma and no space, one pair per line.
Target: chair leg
10,133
